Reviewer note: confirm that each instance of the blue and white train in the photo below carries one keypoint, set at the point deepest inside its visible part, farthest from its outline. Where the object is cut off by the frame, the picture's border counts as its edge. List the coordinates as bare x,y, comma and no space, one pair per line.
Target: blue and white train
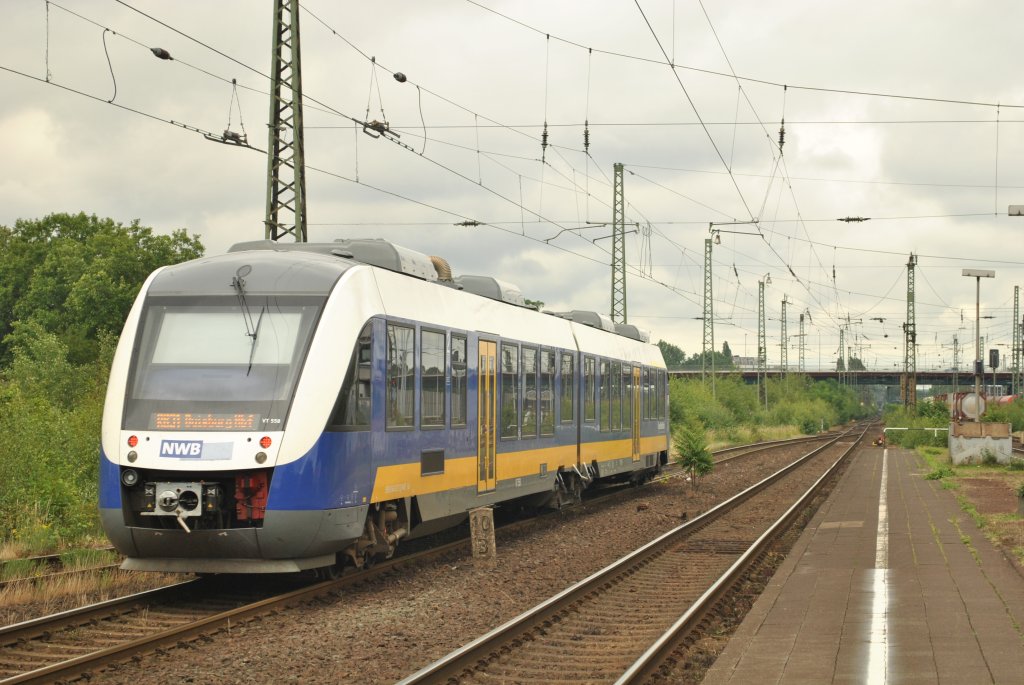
286,407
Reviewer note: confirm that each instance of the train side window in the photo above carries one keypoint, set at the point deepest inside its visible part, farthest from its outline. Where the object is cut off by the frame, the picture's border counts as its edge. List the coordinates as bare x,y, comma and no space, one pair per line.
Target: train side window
589,390
616,395
432,374
529,392
353,409
547,392
627,396
509,390
645,380
605,396
568,389
459,391
401,376
662,392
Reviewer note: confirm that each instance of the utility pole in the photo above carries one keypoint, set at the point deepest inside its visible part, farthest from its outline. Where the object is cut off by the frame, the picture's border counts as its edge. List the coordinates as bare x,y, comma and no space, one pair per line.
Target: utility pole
709,319
618,247
785,340
762,349
1016,351
956,365
841,364
909,382
286,166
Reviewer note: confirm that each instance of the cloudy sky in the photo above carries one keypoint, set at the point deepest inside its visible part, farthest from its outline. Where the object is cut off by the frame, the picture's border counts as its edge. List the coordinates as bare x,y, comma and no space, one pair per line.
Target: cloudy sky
908,113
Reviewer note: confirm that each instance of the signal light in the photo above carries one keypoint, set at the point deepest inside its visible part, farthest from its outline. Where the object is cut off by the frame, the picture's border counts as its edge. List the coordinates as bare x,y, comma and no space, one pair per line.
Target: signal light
133,440
265,441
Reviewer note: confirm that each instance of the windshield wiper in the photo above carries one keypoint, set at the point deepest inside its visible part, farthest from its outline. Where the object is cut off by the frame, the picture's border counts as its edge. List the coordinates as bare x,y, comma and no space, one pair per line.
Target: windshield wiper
252,352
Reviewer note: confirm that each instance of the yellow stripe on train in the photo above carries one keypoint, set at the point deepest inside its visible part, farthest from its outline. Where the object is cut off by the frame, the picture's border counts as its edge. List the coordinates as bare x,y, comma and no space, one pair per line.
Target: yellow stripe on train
405,480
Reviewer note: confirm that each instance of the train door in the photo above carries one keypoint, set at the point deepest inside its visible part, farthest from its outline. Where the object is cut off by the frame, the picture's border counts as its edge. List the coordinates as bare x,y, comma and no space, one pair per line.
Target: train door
487,415
635,428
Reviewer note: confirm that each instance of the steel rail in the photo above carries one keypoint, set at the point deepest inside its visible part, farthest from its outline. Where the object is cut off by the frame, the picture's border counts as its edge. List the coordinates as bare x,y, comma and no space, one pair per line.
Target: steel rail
656,654
465,658
47,577
48,625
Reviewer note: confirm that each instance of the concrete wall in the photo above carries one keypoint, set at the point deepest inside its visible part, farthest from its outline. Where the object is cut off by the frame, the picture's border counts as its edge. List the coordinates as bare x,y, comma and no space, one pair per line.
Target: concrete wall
971,442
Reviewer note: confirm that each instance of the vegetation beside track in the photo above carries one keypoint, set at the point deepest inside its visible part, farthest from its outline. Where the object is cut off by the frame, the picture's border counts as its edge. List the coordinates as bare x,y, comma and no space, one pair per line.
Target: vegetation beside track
66,285
732,413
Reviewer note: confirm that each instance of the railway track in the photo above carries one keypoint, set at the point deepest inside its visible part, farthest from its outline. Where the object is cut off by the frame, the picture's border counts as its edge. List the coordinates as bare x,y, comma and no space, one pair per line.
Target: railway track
66,644
616,625
49,567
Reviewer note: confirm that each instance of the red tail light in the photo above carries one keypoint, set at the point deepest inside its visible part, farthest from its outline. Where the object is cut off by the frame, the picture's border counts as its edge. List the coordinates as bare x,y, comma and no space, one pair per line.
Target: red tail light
133,440
265,441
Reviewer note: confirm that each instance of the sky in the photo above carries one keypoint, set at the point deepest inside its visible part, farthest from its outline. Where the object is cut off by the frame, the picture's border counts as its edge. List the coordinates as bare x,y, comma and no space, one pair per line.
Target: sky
910,114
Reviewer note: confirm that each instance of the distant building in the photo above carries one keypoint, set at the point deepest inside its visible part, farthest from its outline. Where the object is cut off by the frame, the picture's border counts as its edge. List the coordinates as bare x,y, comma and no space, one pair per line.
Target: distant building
744,363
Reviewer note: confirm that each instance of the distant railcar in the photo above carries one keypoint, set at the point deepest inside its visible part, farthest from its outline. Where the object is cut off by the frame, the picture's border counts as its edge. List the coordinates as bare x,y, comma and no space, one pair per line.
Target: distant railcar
306,406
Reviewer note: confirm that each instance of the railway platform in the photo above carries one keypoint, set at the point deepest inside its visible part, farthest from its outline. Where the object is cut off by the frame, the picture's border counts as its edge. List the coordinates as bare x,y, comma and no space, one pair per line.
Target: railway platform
890,583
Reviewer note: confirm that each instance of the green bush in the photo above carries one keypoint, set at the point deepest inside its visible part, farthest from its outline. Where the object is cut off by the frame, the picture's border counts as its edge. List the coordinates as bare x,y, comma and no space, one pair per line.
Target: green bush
50,413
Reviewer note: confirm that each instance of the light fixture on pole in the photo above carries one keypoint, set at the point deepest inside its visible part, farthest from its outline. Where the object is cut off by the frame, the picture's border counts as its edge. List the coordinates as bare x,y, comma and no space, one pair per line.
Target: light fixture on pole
979,367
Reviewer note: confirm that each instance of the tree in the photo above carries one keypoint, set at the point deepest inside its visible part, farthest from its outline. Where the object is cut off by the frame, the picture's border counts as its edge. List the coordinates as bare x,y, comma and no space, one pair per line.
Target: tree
692,447
856,364
840,365
77,275
674,357
726,350
536,304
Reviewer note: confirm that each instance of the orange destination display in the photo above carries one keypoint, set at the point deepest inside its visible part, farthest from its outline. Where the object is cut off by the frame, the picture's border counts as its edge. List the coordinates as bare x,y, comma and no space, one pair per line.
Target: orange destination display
187,421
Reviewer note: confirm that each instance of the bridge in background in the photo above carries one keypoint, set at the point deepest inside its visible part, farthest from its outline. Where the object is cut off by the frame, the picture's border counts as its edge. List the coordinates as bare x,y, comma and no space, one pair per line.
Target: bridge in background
889,378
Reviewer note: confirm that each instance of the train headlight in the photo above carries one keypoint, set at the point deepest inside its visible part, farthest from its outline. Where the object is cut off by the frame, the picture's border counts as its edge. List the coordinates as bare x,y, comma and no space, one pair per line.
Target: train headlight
261,457
129,477
132,456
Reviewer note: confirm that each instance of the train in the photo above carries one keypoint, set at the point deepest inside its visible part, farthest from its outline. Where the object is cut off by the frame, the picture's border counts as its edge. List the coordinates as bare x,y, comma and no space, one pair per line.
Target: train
299,407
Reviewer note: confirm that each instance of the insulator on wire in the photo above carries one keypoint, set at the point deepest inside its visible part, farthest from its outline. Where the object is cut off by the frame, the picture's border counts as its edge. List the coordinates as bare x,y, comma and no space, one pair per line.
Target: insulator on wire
586,136
161,53
544,141
782,134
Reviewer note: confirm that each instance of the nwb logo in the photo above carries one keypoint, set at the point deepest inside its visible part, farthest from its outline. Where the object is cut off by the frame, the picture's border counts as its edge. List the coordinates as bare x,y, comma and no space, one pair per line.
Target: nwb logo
181,448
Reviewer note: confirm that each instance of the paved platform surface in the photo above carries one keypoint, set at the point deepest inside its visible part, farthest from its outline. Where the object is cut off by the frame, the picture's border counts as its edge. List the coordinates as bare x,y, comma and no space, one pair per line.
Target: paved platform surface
896,589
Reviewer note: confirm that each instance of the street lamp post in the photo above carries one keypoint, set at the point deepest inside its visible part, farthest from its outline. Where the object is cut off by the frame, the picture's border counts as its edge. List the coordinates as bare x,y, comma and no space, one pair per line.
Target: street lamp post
979,368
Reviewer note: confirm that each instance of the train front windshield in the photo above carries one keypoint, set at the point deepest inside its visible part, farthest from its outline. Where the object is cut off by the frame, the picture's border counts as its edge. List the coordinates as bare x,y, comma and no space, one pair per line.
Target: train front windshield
204,363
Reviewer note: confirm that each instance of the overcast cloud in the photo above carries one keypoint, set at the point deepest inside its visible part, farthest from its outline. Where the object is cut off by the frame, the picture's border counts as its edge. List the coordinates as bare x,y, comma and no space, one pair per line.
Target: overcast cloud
934,177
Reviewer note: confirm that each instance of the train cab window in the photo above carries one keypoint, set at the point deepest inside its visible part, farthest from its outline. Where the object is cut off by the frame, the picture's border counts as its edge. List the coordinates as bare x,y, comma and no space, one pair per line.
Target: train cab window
459,391
529,392
616,396
589,390
568,389
432,377
605,394
509,391
547,392
353,409
401,376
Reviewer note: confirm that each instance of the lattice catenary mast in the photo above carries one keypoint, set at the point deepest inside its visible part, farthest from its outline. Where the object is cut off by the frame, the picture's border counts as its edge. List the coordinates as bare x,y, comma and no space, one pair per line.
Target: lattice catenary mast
1015,387
286,166
618,248
909,381
708,349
